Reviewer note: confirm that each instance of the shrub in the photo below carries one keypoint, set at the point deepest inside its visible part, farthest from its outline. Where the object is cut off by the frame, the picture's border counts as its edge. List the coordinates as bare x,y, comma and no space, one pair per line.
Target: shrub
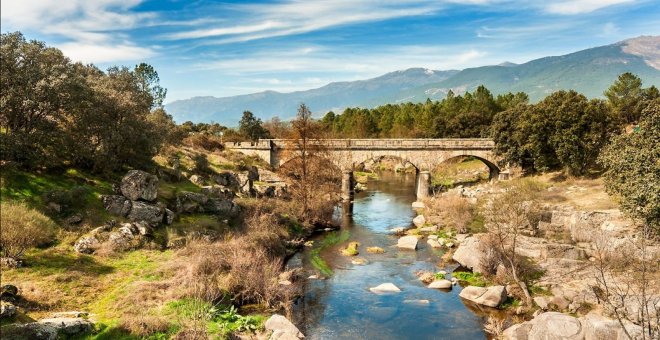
22,228
204,141
456,210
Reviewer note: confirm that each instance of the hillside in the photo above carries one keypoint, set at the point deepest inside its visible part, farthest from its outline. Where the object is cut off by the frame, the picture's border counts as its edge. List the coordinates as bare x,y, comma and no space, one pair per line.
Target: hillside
588,71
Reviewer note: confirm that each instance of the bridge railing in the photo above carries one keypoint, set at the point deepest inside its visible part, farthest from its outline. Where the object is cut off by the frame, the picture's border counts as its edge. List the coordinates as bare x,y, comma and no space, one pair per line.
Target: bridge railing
449,143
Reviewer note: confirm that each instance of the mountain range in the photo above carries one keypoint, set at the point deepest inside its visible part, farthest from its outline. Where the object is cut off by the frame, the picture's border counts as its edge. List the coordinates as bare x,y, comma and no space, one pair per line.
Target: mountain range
589,71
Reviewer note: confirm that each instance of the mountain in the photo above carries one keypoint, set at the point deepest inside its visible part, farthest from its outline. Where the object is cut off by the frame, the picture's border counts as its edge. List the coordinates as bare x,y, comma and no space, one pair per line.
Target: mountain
588,71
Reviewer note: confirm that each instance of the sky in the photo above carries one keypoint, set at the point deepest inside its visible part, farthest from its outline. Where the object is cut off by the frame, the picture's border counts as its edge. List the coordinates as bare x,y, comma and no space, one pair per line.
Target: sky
226,48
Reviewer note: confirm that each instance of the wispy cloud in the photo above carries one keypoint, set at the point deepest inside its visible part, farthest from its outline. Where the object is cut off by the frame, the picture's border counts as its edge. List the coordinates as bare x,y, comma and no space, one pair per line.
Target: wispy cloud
87,29
298,16
571,7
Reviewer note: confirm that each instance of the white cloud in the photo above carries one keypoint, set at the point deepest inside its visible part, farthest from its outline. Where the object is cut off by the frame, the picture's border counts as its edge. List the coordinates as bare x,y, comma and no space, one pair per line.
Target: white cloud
88,29
571,7
302,16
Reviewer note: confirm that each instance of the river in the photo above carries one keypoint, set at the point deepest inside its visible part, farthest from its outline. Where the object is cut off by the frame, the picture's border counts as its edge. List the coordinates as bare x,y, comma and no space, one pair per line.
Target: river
342,307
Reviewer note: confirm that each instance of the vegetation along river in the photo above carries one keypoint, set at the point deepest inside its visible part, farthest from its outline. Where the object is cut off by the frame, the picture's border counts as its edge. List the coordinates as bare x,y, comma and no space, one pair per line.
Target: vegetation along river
342,307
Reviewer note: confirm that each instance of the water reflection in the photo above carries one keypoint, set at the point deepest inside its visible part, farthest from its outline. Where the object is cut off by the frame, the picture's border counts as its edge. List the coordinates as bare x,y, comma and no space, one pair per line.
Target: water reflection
342,307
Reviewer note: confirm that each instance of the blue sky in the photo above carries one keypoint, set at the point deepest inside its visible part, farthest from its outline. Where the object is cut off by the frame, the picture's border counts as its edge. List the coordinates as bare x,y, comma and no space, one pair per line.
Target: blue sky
225,48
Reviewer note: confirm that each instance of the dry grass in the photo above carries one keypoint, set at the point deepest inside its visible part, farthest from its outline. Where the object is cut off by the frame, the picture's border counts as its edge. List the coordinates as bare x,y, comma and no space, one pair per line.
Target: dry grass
581,193
454,210
23,228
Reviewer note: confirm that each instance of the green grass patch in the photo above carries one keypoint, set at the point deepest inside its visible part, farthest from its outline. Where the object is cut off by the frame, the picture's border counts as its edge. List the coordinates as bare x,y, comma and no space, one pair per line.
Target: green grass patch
510,303
331,239
473,279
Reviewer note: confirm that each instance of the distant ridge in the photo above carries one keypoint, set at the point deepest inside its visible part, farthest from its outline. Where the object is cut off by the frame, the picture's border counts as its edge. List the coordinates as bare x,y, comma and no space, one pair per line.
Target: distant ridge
588,71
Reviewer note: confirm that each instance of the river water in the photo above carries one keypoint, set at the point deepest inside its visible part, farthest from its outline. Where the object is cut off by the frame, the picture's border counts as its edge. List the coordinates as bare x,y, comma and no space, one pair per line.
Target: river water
342,307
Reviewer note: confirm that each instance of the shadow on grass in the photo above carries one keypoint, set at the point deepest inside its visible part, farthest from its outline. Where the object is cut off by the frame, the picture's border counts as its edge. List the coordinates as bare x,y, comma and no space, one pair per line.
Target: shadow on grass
57,261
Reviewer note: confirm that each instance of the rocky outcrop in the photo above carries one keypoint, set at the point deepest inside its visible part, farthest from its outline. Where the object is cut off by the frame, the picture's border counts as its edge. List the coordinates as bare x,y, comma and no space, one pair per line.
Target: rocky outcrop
554,325
139,185
29,331
87,244
68,325
491,296
407,242
282,328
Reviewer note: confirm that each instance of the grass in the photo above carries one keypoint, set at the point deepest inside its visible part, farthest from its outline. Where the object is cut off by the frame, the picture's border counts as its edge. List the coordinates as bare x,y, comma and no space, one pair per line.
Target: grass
59,279
459,171
473,279
17,185
331,239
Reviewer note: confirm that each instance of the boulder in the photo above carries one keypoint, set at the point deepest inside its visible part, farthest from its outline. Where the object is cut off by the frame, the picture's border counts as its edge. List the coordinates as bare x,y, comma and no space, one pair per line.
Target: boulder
426,277
217,191
221,206
434,243
358,261
385,288
7,310
141,211
418,205
169,216
8,292
228,180
542,302
407,242
144,228
139,185
283,327
419,221
29,331
69,326
469,253
116,205
550,325
491,297
597,327
190,202
86,244
73,219
440,284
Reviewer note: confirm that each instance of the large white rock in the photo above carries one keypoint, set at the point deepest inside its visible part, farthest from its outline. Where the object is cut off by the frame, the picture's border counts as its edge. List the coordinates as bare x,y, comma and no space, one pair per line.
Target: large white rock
492,296
469,253
434,243
407,242
385,288
554,325
282,328
418,205
441,284
419,221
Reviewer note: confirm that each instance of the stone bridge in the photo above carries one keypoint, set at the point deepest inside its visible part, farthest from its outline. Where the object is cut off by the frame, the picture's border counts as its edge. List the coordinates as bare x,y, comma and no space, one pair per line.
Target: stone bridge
346,154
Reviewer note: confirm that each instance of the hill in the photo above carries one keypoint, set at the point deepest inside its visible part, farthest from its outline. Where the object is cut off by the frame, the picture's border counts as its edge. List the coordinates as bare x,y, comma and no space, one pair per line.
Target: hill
588,71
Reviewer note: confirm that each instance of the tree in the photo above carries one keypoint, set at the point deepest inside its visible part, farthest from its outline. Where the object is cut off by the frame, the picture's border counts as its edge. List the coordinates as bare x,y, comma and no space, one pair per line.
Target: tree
250,127
150,83
277,128
625,97
315,181
633,170
507,215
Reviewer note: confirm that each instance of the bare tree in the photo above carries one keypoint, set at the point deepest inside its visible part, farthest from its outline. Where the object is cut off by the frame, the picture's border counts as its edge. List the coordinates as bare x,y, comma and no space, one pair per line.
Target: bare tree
314,178
627,280
507,215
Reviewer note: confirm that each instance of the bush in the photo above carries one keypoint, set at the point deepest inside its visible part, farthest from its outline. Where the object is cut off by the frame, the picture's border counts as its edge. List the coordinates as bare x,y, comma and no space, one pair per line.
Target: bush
22,228
204,141
456,210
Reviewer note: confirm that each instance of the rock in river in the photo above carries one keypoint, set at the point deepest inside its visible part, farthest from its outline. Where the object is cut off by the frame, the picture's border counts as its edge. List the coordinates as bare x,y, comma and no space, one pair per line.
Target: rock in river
407,242
491,297
284,329
385,288
440,284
